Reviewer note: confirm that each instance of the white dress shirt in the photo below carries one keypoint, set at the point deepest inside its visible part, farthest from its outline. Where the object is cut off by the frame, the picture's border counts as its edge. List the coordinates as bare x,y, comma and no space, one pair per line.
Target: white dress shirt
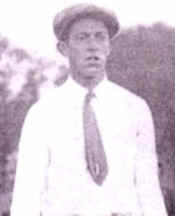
51,172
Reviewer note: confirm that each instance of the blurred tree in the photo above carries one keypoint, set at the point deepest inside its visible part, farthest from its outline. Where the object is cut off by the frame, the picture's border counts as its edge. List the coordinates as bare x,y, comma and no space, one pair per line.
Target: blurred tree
143,60
3,45
21,75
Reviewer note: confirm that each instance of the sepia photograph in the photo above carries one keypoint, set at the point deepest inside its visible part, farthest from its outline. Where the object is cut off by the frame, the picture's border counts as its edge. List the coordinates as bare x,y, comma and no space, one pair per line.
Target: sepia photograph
87,112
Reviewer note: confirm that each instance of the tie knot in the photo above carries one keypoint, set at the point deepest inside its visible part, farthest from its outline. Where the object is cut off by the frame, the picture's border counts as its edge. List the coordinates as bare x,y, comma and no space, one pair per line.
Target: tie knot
89,96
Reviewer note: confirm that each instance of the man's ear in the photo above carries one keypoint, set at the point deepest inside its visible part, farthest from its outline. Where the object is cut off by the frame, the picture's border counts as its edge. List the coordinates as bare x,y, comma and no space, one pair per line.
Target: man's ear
110,49
62,48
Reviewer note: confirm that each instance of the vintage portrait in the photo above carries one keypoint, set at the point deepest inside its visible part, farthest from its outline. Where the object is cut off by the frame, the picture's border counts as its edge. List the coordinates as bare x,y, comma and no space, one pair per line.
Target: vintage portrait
87,109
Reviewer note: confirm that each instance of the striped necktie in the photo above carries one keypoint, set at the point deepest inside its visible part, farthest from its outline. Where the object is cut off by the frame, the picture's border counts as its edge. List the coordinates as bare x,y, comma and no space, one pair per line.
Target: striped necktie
94,151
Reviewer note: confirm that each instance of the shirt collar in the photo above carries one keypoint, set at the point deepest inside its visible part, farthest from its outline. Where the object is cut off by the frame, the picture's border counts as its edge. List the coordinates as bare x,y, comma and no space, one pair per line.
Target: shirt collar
82,91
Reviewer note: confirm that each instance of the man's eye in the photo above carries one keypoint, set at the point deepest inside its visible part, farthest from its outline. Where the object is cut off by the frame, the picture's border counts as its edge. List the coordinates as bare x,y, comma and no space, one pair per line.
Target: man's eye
81,37
102,36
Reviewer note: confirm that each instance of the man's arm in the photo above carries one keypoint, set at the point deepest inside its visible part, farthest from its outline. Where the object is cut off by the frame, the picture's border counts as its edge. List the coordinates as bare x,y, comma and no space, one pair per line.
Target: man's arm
32,161
147,180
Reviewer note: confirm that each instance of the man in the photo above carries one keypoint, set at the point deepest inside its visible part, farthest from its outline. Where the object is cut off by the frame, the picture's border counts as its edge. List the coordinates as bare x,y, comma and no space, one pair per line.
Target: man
88,147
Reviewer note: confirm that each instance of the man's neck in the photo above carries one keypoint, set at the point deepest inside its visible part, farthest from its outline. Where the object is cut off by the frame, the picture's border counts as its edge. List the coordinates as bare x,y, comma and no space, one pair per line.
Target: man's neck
88,82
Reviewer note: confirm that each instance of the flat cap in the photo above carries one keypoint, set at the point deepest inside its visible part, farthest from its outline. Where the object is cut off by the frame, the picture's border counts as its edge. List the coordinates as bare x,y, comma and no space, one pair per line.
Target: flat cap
64,19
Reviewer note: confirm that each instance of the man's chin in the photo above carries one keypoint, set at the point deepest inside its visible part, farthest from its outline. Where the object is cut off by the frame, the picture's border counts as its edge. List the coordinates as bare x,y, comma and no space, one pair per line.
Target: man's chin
91,71
94,78
89,78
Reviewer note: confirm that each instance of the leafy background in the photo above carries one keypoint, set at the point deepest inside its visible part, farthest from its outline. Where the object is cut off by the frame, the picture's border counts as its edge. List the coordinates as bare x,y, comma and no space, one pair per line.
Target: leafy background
142,60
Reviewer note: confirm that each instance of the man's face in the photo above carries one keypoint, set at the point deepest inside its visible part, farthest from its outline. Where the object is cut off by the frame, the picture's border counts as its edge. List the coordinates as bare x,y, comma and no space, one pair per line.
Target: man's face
88,46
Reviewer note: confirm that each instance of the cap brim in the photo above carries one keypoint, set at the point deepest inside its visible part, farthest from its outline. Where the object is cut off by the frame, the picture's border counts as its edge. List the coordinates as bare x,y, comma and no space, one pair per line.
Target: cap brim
63,25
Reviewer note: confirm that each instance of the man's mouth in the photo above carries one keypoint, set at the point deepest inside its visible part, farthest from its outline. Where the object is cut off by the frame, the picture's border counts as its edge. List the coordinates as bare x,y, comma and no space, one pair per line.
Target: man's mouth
93,58
93,61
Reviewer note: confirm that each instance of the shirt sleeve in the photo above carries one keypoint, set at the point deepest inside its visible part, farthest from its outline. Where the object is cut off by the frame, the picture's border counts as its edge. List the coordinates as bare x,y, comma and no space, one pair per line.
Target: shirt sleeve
147,178
30,172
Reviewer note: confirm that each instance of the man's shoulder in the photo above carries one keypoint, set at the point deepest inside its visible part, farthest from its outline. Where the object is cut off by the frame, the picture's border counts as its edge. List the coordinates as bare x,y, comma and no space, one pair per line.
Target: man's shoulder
135,107
47,102
124,94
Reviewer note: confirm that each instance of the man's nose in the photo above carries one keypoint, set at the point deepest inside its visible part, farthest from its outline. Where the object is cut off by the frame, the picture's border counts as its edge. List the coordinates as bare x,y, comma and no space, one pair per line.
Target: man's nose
92,45
92,49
